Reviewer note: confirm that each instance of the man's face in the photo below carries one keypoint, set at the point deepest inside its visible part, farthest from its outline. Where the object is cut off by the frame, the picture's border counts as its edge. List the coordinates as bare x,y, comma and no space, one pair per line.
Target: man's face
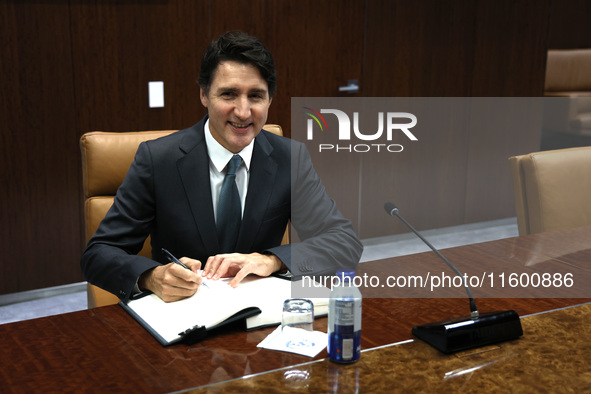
238,102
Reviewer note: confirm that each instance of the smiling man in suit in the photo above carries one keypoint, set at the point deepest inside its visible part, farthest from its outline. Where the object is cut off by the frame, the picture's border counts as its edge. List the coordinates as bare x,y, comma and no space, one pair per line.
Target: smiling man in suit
175,187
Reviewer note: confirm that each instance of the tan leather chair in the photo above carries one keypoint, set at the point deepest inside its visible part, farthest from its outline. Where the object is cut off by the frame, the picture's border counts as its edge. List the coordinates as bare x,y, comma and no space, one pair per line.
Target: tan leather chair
567,121
106,157
552,189
568,73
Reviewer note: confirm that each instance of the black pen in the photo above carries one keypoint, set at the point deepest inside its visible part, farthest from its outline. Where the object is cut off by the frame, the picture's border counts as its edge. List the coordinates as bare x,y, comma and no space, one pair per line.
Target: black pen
173,259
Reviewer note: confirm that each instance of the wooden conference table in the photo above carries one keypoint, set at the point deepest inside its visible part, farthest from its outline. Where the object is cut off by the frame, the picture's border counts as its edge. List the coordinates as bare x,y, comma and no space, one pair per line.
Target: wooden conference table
105,350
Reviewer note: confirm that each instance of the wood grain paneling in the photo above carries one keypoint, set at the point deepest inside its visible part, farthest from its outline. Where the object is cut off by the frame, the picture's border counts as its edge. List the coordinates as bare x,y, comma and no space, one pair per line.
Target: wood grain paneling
418,49
569,24
510,47
69,68
39,166
456,174
119,47
427,179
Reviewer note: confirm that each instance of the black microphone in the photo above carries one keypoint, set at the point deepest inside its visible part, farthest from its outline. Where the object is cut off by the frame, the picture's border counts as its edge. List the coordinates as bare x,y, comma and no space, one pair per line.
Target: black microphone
465,332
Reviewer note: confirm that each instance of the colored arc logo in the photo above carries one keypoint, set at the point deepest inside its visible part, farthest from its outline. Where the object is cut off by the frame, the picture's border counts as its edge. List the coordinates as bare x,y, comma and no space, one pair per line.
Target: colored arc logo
316,115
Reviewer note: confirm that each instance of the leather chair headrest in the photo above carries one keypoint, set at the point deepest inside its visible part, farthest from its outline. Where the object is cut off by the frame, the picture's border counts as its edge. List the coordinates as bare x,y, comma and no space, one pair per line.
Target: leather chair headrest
106,158
568,70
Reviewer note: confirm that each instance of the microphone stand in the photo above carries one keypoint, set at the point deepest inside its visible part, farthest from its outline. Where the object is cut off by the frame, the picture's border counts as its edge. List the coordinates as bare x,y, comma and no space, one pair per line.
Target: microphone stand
465,332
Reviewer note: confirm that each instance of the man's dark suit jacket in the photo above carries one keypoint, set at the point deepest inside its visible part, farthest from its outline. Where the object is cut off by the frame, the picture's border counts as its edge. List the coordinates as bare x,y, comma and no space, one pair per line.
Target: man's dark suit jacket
167,194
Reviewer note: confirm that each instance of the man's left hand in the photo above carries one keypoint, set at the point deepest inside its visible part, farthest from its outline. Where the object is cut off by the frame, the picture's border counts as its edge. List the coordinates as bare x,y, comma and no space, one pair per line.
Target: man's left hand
240,265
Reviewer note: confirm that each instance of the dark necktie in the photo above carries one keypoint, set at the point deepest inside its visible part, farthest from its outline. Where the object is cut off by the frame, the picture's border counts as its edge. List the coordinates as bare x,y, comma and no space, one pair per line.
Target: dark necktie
229,211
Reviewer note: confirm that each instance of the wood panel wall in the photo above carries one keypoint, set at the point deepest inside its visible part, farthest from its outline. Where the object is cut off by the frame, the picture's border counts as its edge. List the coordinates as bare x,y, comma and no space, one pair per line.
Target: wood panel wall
69,67
39,164
452,48
117,47
569,24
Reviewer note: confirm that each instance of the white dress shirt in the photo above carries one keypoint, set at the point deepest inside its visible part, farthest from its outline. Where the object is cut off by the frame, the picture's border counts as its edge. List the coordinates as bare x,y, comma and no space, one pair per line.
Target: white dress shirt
219,157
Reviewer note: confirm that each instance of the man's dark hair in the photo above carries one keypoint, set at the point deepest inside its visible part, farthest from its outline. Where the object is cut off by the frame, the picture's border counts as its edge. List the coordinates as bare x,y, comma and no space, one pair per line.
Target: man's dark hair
242,48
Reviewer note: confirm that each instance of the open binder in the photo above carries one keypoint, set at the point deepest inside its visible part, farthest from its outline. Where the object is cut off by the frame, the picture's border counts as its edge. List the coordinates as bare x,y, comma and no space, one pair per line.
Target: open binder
258,301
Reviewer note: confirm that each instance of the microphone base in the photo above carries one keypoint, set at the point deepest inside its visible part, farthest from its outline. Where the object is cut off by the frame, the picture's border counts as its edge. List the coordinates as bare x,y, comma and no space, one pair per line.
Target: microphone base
465,333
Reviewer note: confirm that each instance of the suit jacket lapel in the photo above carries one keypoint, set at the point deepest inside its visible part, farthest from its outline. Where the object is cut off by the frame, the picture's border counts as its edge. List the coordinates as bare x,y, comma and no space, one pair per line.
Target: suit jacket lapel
263,170
194,172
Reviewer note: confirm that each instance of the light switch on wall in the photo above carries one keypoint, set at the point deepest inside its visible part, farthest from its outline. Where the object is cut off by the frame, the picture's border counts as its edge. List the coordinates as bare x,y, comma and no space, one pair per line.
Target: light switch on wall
156,94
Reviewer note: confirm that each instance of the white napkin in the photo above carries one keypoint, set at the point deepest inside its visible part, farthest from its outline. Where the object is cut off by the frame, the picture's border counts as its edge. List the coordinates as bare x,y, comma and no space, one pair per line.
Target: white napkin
295,340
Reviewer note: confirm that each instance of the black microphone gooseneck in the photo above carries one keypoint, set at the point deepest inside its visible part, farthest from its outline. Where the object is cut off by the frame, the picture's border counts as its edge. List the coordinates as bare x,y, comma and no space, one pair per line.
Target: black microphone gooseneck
393,211
466,332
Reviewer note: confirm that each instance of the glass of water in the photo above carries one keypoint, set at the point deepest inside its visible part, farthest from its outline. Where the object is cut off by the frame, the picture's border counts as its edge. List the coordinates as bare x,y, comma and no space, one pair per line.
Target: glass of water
298,313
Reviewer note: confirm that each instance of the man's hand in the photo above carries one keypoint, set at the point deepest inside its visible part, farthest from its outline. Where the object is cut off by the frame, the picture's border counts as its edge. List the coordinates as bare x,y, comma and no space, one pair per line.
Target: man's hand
172,282
240,265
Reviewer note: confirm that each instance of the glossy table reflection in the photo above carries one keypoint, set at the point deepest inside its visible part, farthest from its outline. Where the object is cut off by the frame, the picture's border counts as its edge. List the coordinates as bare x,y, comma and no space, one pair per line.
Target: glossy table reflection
104,349
551,357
